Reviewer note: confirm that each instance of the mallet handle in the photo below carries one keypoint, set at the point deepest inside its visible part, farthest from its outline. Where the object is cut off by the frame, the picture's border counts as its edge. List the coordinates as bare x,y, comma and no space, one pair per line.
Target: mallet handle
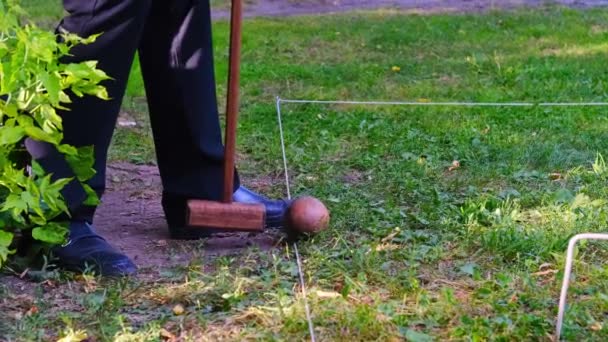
232,102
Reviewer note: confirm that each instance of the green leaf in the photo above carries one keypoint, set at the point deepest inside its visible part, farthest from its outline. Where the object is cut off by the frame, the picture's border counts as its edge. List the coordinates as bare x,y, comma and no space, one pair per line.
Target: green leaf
41,44
34,86
25,120
40,135
67,149
37,168
92,198
4,159
3,49
82,163
52,85
32,199
51,194
101,92
11,109
6,238
52,232
37,220
14,202
64,98
10,135
48,119
4,253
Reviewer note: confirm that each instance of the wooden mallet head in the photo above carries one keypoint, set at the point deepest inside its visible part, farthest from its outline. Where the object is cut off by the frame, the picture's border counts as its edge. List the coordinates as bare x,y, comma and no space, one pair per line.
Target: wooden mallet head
228,216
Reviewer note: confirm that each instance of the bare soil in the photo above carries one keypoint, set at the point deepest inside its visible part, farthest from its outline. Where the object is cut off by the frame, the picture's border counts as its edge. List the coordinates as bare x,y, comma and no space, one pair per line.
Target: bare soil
131,219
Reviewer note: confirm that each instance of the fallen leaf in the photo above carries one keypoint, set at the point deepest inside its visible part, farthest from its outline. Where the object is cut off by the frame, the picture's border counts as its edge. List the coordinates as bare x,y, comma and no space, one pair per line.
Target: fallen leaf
89,283
328,294
166,334
178,309
390,236
387,247
545,265
74,336
596,326
555,176
396,69
542,273
125,120
90,286
32,311
339,286
455,165
126,123
49,283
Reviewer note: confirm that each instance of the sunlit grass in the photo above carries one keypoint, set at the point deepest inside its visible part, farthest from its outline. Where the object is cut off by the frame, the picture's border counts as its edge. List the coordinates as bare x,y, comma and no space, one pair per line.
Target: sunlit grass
447,223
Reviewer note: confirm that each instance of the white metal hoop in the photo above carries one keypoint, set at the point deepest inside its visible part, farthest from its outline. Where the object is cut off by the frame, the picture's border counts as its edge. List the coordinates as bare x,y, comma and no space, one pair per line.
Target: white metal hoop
567,272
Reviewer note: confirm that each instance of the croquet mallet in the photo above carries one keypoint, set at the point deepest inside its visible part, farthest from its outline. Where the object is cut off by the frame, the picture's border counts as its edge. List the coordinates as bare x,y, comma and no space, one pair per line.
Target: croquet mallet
227,215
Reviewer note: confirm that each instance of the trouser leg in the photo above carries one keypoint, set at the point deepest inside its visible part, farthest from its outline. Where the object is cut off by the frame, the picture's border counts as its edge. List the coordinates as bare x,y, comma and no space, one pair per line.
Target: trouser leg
91,121
176,57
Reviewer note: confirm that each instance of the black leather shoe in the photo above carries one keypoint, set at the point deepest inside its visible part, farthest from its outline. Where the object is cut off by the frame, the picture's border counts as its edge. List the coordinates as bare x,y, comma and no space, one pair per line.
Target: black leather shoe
275,209
175,212
85,250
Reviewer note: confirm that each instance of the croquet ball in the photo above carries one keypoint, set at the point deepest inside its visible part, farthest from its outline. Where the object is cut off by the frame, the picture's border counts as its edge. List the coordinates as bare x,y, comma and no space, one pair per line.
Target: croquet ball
307,215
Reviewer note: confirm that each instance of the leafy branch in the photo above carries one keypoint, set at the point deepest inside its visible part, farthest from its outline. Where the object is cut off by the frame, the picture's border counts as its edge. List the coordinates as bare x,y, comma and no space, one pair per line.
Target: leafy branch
34,85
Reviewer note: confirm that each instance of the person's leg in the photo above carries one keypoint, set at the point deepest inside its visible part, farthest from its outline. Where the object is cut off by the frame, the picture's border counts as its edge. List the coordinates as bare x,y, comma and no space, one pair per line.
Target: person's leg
177,64
90,121
176,55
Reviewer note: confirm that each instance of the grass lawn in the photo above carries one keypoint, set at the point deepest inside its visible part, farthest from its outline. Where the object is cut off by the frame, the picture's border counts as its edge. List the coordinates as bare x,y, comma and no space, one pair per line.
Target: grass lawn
420,247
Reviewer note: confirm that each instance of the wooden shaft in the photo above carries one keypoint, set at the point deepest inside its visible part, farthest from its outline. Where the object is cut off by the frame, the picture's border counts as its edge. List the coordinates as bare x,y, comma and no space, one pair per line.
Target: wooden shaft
232,102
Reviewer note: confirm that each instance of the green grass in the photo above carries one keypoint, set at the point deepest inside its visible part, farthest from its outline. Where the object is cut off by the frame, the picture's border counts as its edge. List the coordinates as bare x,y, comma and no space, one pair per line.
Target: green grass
45,13
415,250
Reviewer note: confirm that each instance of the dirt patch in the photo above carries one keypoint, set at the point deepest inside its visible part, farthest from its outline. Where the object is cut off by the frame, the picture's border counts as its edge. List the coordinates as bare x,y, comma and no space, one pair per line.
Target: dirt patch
291,7
355,177
131,218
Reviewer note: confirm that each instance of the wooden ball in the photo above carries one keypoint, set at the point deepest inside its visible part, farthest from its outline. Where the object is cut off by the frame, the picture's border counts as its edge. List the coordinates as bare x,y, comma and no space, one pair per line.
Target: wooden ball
307,215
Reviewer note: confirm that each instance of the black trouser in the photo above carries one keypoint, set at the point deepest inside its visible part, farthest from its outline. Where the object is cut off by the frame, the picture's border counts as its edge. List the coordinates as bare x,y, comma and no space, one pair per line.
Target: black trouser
173,38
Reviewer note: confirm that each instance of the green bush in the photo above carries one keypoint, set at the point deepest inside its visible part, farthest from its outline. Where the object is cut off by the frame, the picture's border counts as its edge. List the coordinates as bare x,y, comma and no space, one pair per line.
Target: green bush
34,84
